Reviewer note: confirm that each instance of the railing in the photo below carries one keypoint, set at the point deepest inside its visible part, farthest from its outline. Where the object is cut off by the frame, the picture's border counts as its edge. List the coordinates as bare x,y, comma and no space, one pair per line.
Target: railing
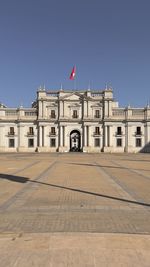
30,113
119,133
118,113
97,133
96,94
138,133
138,112
53,116
11,133
97,116
52,94
11,113
30,134
52,133
75,117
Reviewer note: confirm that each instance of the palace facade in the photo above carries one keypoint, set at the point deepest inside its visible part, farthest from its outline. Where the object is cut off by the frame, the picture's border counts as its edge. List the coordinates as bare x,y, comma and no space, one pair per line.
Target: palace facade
63,121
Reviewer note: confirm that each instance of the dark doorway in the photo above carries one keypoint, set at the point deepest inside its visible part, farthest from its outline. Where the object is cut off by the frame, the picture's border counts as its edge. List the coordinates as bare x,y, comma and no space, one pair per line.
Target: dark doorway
75,141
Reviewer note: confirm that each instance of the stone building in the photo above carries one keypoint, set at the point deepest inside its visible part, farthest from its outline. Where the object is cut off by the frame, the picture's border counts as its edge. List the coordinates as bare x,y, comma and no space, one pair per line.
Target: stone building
86,121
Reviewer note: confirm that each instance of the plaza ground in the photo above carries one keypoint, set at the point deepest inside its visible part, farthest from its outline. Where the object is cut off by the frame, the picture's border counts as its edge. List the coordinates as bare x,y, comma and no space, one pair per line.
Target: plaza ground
74,209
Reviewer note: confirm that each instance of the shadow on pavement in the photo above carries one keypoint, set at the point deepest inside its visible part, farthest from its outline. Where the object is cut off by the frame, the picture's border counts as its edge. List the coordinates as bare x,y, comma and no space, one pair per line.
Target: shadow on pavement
13,178
105,166
20,179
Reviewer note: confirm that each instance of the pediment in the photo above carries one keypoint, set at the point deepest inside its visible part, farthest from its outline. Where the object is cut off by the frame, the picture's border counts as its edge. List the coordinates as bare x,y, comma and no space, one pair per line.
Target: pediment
72,96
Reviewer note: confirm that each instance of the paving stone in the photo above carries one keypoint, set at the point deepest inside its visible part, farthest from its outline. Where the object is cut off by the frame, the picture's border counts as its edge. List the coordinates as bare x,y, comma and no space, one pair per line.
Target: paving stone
81,195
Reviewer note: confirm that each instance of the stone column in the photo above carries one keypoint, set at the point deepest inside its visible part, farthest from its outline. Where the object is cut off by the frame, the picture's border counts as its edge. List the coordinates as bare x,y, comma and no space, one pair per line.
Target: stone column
2,141
89,135
40,109
129,133
85,136
21,137
43,109
110,135
64,135
85,109
146,133
43,135
130,139
105,134
126,138
106,108
61,136
40,136
61,109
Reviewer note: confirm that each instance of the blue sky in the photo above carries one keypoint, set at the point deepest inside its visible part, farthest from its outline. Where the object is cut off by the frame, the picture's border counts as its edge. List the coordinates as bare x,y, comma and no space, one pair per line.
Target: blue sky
107,40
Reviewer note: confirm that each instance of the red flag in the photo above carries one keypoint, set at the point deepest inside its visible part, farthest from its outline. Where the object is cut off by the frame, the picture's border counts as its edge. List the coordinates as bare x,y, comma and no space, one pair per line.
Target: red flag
73,73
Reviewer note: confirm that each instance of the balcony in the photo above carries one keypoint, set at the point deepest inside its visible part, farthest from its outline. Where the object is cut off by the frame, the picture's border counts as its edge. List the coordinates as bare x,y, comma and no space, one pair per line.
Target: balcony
97,116
119,133
52,133
30,134
97,133
11,133
139,133
75,117
53,117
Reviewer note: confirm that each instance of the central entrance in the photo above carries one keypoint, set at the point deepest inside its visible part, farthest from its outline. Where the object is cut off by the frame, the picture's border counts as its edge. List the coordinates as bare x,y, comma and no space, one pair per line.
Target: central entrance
75,141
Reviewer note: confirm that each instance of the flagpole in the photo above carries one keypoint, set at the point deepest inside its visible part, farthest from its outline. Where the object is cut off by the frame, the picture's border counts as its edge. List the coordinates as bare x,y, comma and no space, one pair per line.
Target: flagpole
74,77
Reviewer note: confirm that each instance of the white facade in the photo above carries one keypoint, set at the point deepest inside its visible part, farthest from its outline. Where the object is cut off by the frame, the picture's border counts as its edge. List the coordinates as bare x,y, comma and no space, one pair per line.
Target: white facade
86,121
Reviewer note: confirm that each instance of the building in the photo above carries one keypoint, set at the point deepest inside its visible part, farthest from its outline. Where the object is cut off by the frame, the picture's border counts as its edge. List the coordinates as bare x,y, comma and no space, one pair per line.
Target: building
86,121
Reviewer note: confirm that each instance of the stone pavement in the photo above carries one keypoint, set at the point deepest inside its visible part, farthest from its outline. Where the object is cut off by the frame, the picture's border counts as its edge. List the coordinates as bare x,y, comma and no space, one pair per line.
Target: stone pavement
74,249
74,209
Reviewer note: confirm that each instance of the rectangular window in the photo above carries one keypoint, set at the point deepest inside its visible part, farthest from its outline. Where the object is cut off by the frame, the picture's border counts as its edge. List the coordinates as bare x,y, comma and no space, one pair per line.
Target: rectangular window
75,115
30,142
138,142
97,130
53,130
11,142
97,142
138,130
53,142
97,114
12,131
31,131
119,142
119,132
53,115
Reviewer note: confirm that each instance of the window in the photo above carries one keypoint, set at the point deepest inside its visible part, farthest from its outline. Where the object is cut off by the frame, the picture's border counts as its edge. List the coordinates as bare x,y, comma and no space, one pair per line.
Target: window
53,115
52,142
12,131
119,142
119,132
97,130
138,142
97,114
75,115
11,142
31,131
138,130
30,142
97,142
53,130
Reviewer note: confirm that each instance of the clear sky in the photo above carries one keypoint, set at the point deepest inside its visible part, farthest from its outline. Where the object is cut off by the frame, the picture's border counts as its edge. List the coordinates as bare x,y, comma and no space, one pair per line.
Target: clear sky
107,40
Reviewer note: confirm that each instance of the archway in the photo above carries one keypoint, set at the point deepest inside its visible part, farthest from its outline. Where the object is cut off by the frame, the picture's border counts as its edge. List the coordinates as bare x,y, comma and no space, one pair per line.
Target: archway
75,141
